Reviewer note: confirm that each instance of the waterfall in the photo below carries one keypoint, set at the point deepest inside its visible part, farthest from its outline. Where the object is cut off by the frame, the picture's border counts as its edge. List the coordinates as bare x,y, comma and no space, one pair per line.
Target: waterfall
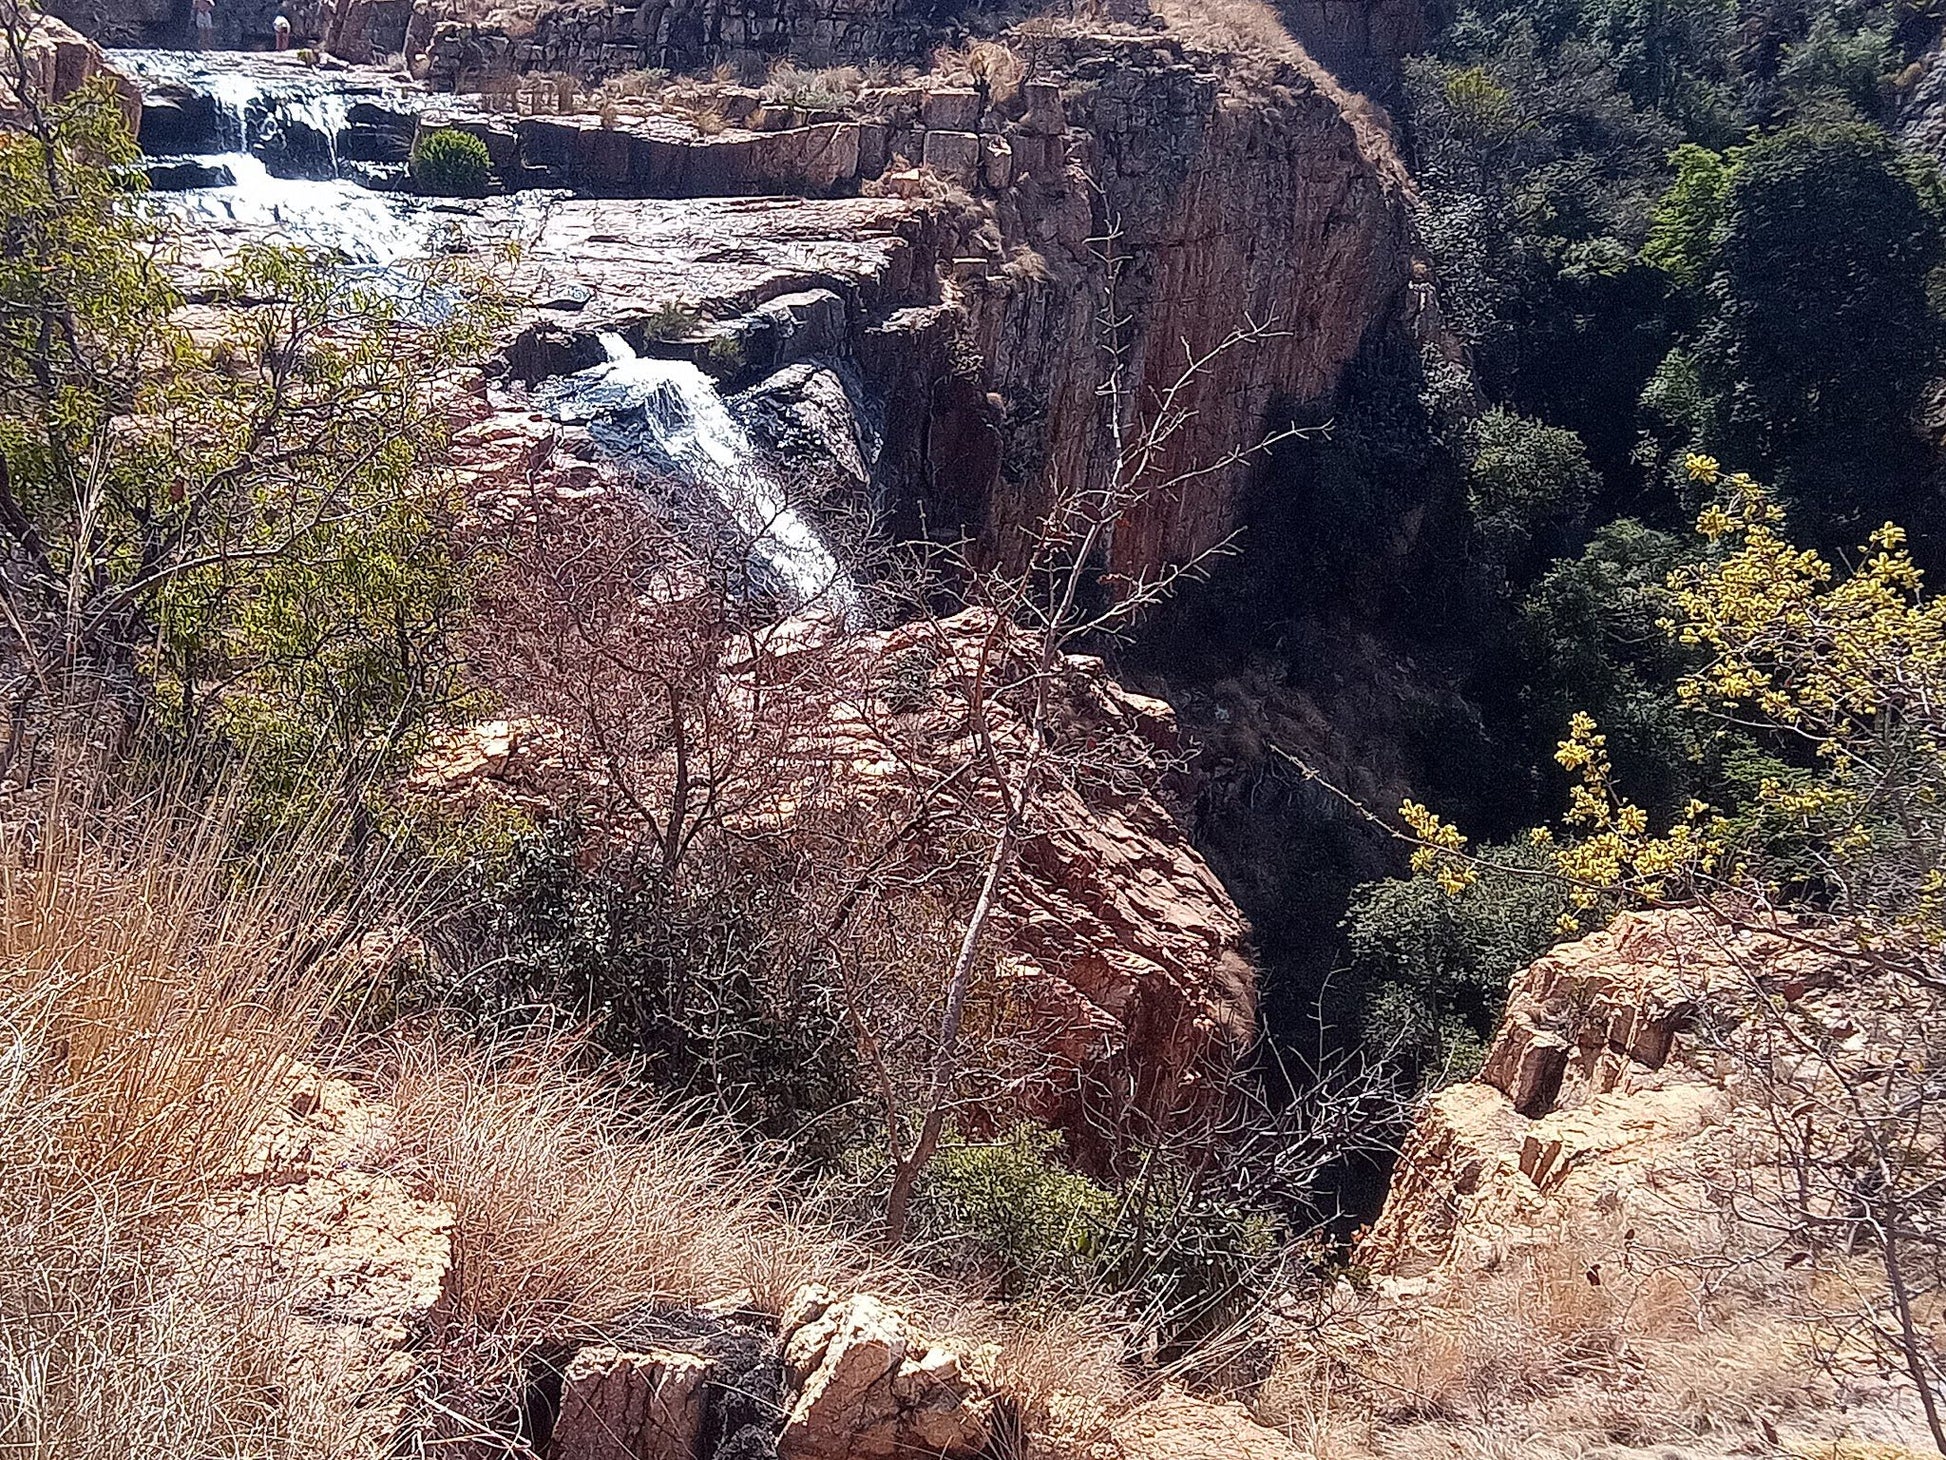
366,227
691,429
260,100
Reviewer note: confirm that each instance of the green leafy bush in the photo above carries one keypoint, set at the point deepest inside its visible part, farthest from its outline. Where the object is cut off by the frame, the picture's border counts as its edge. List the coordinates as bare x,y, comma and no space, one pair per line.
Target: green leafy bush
1525,473
1435,965
1173,1248
1008,1208
450,163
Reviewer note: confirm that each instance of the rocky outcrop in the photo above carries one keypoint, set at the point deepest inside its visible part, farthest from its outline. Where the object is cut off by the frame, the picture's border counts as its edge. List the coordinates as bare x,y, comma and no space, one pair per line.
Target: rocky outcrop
1590,1112
619,1405
869,1388
593,39
60,61
358,1259
1240,196
1121,964
1178,1426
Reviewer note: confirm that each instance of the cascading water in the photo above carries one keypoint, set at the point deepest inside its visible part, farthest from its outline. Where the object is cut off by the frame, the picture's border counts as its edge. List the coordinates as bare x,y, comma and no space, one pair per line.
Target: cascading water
661,417
690,429
259,108
259,101
366,227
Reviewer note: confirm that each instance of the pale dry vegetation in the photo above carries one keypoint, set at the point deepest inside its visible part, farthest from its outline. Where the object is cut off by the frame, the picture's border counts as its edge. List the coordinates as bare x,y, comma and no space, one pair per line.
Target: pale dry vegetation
157,986
1563,1351
151,994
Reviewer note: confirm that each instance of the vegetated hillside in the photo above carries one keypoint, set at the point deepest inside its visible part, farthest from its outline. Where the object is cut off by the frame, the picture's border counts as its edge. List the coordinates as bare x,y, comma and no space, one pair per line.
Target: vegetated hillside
1709,230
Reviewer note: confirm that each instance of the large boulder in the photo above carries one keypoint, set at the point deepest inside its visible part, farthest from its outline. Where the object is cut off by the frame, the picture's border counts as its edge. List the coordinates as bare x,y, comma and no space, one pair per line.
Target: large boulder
58,61
621,1405
869,1387
362,1261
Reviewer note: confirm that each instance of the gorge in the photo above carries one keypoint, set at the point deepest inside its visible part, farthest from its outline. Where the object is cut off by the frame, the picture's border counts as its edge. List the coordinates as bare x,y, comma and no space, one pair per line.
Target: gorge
832,729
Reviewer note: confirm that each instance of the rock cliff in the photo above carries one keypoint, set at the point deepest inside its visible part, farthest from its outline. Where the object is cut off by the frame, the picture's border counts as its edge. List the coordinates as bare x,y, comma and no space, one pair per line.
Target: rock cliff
1215,195
1610,1242
1122,962
1591,1111
58,61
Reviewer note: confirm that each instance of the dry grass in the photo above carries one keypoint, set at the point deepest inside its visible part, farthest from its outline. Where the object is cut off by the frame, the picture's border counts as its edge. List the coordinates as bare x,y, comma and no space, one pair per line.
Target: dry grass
151,992
578,1201
1535,1360
155,988
1251,28
829,89
988,65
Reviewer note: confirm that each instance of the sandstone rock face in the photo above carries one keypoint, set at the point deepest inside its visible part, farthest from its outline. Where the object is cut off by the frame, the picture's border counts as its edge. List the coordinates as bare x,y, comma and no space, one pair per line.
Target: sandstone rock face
869,1388
1240,199
362,1261
593,40
59,61
617,1405
1589,1110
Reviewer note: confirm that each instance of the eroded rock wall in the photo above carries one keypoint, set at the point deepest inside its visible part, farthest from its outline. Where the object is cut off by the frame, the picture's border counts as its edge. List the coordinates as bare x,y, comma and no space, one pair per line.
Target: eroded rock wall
1227,196
1598,1105
602,38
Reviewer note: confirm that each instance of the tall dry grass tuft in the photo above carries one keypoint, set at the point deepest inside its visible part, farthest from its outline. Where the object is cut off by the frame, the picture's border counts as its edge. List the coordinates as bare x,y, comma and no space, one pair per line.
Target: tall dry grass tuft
153,988
579,1200
1554,1353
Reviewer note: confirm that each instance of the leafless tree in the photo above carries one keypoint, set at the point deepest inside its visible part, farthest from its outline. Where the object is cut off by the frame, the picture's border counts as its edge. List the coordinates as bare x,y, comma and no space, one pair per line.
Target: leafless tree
1058,597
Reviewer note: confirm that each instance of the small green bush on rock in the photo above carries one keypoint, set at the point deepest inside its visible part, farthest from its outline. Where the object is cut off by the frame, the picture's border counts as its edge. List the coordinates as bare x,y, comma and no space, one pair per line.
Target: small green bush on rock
450,163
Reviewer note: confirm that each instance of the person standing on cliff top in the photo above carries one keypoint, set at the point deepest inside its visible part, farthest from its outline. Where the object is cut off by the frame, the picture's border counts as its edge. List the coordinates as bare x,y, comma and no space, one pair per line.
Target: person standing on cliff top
204,12
281,28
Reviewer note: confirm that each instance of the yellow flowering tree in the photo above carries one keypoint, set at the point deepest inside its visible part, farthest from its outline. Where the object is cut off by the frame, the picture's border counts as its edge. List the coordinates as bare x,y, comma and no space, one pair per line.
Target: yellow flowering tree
1840,673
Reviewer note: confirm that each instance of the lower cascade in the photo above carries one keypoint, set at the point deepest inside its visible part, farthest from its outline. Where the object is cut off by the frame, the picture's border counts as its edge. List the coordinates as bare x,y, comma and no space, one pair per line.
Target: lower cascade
690,428
366,227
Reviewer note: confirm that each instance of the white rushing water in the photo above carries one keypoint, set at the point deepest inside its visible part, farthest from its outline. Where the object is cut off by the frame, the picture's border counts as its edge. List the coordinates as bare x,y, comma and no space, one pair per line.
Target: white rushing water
366,227
259,96
659,416
692,427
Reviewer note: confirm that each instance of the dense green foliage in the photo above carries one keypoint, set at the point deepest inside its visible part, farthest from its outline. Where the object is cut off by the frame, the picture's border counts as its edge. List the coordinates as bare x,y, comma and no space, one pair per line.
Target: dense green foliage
230,535
705,987
450,163
1661,230
1435,966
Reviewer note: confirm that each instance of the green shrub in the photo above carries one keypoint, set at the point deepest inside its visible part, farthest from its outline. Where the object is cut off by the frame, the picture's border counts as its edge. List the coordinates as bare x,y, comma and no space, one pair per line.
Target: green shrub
706,991
450,163
727,354
670,322
1170,1247
1433,968
1524,474
1008,1208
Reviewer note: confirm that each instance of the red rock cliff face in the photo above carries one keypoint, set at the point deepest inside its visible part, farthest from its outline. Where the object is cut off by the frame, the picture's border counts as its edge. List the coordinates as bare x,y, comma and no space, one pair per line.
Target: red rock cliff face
1238,197
1239,191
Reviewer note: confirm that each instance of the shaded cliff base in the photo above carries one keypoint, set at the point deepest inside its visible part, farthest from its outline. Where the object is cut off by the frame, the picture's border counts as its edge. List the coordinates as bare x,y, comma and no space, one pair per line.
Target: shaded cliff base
1602,1246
